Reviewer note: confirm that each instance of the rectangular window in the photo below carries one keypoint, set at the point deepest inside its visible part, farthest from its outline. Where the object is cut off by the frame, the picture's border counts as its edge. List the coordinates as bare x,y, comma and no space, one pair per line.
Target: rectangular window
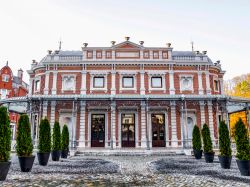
108,54
5,78
37,85
98,54
156,82
98,82
90,54
146,54
216,85
165,54
3,94
128,82
155,54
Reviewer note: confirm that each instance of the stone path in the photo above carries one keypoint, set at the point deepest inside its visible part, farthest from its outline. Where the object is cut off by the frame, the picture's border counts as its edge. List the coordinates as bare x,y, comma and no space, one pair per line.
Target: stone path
127,171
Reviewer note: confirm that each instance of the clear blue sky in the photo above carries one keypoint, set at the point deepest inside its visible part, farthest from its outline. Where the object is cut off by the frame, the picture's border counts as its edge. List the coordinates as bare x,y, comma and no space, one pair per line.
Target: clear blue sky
30,27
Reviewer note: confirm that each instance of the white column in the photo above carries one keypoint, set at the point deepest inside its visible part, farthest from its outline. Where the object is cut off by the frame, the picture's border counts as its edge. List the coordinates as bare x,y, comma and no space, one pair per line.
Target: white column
142,87
210,119
174,138
46,87
200,83
143,125
52,114
202,111
31,86
45,109
113,82
113,124
54,83
222,86
208,87
171,82
82,124
83,85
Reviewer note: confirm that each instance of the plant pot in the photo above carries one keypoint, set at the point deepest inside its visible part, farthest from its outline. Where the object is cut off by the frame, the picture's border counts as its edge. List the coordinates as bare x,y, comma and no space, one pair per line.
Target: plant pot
244,167
26,163
225,161
4,169
197,154
56,155
43,158
64,153
209,157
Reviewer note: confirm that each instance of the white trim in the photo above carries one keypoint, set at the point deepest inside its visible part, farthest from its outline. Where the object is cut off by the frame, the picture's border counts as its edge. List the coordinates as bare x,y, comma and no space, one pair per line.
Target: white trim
94,74
181,79
74,82
37,78
163,78
134,81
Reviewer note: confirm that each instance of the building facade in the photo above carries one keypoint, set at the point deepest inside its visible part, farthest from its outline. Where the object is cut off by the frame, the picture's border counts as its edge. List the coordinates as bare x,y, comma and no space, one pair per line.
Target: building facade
127,95
12,86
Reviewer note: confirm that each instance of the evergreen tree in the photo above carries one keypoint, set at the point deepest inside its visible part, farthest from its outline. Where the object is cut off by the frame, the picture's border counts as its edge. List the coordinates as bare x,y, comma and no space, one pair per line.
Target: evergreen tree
224,140
65,137
56,145
208,146
24,145
196,140
44,145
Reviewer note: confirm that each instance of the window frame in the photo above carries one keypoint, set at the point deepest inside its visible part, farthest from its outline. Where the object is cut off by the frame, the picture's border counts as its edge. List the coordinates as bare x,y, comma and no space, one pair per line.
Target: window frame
182,78
103,84
4,76
128,77
156,77
74,82
216,85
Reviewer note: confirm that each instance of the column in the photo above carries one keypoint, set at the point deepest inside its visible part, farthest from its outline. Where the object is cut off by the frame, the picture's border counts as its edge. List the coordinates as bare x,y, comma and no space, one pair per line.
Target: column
221,86
113,82
202,111
174,139
54,83
31,86
45,109
83,85
113,125
46,87
143,125
82,123
211,119
208,87
52,113
142,87
171,82
200,83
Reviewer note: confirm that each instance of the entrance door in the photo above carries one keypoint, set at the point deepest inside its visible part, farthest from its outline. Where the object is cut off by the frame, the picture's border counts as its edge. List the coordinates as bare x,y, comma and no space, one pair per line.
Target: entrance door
128,130
97,130
158,130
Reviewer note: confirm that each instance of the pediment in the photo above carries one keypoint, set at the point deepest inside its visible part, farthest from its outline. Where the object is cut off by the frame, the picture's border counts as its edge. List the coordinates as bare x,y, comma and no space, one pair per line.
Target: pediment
127,45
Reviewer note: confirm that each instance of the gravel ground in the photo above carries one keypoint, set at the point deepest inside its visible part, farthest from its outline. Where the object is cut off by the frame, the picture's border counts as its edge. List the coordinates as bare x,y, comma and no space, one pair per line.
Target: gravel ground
127,171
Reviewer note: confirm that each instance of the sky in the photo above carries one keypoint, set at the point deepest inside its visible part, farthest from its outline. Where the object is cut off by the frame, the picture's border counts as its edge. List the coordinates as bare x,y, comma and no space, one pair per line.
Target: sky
29,28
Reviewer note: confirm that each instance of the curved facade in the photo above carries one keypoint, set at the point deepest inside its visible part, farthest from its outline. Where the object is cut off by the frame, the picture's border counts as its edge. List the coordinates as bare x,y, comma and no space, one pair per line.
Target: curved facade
128,95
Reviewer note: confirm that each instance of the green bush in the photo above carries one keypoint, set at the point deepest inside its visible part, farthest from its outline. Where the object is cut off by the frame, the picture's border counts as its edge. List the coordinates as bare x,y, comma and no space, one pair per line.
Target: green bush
5,135
224,140
65,138
44,144
242,142
196,140
208,146
56,142
24,146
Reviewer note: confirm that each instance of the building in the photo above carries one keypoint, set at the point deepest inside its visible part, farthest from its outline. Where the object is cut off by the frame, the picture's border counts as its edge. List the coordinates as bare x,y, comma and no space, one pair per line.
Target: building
12,86
128,95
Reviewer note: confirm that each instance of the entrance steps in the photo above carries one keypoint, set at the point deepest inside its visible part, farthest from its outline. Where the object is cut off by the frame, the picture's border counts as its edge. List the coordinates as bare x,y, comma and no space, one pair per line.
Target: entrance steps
128,152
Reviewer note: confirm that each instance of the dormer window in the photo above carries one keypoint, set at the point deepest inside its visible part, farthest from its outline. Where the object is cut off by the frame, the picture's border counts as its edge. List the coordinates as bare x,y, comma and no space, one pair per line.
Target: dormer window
108,54
186,83
5,78
165,54
146,54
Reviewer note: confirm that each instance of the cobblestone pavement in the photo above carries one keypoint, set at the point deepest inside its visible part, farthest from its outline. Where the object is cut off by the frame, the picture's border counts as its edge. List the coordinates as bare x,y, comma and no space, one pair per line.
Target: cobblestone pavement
127,171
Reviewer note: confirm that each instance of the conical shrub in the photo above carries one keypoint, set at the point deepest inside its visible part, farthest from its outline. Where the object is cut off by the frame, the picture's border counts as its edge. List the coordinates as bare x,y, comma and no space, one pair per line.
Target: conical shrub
24,145
196,140
242,141
44,144
207,142
224,140
65,138
56,142
5,135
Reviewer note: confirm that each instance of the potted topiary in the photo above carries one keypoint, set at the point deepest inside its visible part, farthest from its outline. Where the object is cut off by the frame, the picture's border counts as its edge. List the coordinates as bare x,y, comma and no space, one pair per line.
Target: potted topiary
44,144
5,143
207,144
56,142
225,155
242,147
65,142
196,141
24,146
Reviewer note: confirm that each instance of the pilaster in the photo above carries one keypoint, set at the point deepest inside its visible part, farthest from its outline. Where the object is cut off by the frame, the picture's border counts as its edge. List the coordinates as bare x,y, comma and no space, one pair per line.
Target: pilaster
142,86
45,109
211,119
208,87
82,124
174,139
202,112
54,83
113,82
83,85
113,125
200,83
143,125
52,114
46,86
171,82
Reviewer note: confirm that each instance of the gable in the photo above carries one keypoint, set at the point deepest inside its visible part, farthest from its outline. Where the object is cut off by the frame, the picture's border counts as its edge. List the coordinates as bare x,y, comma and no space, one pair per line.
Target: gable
127,45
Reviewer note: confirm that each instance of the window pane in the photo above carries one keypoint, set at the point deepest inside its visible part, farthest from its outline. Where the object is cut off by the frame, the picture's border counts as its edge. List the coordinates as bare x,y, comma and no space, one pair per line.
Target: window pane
98,82
37,85
156,82
128,82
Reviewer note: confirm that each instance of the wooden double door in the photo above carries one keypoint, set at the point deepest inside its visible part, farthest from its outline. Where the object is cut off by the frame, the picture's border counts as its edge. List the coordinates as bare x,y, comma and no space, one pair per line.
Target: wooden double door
97,130
128,130
158,130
